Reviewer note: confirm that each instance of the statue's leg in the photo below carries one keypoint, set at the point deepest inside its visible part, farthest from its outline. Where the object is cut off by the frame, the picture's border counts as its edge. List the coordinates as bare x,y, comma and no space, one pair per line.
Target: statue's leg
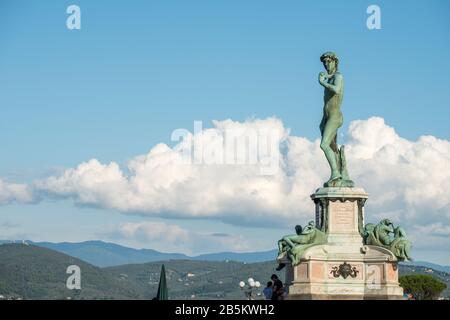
333,144
322,125
280,266
329,135
336,151
280,246
408,251
344,171
290,243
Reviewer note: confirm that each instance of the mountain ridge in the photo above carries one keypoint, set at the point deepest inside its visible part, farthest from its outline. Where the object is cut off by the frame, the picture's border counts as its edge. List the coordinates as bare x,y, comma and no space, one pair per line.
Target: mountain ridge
107,254
33,272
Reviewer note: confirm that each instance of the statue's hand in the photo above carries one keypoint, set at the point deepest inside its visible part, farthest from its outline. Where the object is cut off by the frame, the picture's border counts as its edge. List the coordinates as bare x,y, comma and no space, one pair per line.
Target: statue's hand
322,77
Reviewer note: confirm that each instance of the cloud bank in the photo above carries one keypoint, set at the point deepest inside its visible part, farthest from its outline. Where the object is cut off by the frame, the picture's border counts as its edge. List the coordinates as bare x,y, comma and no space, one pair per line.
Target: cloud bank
408,181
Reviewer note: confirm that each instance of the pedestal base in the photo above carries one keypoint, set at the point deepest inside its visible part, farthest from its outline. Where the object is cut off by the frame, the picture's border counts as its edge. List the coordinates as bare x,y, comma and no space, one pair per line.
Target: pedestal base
336,272
343,267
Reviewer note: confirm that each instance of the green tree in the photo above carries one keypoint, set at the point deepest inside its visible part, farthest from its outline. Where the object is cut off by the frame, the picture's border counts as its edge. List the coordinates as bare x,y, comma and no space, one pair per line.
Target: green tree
422,287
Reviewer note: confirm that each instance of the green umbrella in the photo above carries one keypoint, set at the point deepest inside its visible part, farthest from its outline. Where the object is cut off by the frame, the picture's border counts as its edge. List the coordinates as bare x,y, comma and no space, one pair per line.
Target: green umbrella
163,293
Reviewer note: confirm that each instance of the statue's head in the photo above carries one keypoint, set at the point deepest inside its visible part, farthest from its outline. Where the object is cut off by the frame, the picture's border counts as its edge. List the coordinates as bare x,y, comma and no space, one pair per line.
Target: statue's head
330,61
388,223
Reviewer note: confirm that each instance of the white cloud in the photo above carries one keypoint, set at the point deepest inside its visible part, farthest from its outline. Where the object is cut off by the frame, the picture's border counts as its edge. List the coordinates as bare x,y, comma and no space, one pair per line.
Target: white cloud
172,238
13,192
160,183
408,181
405,179
152,231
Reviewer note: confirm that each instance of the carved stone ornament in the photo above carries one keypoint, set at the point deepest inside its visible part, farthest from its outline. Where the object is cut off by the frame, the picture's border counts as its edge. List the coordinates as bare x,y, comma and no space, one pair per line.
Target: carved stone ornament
344,270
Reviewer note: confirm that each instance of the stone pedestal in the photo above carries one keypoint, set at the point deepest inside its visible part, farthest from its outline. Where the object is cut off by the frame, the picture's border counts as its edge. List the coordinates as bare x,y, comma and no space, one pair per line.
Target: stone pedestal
343,268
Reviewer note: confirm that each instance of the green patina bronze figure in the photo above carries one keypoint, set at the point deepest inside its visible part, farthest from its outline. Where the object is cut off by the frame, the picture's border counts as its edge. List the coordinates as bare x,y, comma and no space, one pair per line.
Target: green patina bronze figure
385,235
333,82
292,246
289,241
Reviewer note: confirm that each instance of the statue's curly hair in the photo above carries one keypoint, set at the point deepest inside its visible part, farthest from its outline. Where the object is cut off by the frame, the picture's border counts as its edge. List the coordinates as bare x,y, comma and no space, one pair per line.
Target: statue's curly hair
330,55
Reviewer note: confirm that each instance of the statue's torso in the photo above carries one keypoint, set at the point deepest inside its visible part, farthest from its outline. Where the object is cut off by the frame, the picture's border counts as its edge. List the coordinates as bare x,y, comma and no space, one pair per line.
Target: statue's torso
333,101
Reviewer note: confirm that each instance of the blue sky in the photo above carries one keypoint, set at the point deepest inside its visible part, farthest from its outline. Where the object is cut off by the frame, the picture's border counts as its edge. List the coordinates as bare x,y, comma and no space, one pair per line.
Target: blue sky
137,70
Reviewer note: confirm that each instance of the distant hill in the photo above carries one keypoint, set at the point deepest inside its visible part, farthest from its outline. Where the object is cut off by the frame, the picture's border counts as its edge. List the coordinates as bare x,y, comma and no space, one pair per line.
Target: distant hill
104,254
428,265
249,257
32,272
193,279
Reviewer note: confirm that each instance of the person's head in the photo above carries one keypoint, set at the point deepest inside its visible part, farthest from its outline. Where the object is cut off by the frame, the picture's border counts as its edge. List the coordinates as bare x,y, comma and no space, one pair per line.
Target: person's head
269,284
274,277
298,229
330,61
